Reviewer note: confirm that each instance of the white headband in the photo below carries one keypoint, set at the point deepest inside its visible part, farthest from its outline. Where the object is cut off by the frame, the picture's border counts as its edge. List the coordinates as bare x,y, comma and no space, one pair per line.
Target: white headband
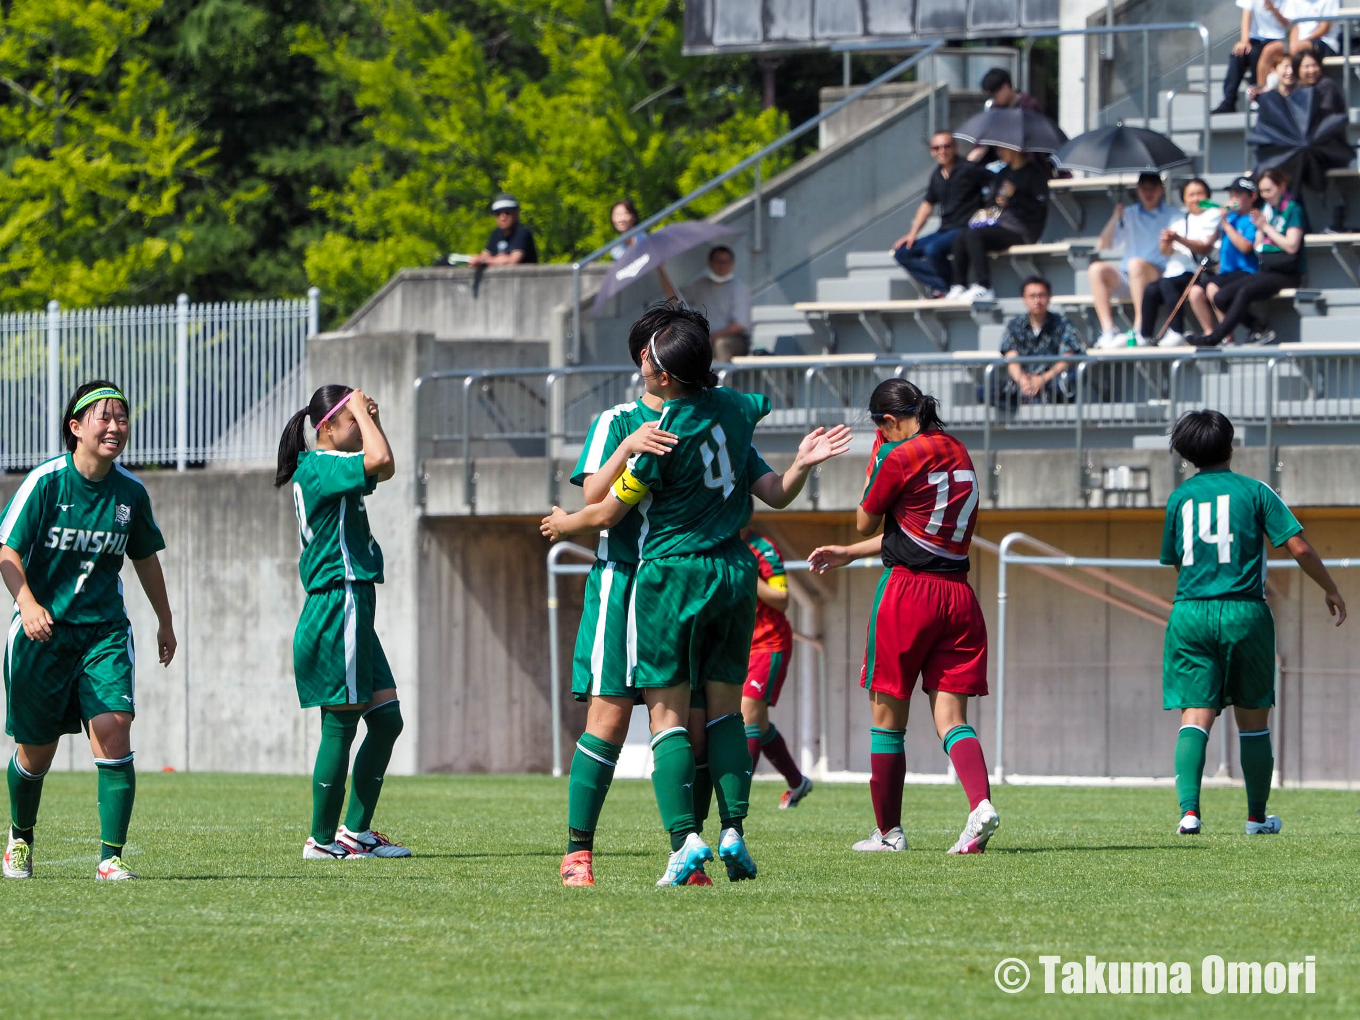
651,352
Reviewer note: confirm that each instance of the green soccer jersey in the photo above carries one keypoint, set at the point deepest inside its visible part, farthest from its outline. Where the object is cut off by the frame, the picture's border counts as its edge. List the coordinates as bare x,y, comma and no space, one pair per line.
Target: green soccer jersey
618,544
72,534
328,497
691,500
1217,524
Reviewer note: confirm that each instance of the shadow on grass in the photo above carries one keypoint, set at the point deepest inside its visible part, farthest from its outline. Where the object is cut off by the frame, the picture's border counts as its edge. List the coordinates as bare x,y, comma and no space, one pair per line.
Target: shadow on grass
1093,849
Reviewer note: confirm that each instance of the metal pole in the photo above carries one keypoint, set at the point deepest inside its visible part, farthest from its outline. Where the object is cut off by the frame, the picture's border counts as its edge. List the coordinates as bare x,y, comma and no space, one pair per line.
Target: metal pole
1147,84
182,382
1208,103
758,240
313,311
554,680
1272,465
988,381
549,438
469,493
998,767
573,351
1346,71
845,69
1081,456
1026,55
931,121
53,377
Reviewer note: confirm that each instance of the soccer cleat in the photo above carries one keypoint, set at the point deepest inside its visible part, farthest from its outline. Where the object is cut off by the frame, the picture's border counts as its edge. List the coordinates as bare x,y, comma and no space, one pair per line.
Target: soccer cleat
371,842
982,822
732,850
1190,825
18,862
686,861
792,796
577,869
1269,827
892,841
333,851
113,870
700,877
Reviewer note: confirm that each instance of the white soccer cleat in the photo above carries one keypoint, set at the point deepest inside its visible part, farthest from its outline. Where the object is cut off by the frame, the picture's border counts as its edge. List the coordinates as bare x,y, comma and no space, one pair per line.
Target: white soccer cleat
1269,827
113,870
1190,825
686,861
892,841
370,842
333,851
793,795
18,861
982,822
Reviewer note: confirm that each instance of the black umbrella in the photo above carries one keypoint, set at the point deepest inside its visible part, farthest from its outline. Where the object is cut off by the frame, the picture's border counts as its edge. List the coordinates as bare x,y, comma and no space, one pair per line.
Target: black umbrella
651,250
1117,149
1009,127
1292,135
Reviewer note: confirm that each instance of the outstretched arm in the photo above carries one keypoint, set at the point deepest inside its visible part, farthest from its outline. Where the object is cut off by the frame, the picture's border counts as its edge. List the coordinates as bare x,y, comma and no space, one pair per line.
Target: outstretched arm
817,446
1308,559
825,557
153,583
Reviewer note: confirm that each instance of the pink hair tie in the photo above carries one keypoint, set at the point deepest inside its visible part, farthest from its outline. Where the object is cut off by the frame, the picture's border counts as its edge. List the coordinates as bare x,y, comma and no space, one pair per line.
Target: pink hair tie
333,410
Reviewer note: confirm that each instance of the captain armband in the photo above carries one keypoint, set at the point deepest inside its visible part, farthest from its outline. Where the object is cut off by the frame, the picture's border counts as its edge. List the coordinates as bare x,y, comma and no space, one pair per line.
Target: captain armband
779,582
628,489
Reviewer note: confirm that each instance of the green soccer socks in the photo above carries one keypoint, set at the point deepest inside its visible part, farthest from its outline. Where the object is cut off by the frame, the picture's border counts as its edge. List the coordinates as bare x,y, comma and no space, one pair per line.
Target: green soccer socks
703,794
673,781
592,770
117,787
25,792
729,763
1258,766
1190,747
370,763
328,775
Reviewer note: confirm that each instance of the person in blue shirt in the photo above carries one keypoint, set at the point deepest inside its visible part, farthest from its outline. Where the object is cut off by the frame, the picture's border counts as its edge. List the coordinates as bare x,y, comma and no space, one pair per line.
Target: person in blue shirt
1137,230
1236,254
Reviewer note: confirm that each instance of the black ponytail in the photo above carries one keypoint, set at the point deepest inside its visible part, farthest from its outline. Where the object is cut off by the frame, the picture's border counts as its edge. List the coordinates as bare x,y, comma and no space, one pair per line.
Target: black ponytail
903,399
294,439
681,348
69,412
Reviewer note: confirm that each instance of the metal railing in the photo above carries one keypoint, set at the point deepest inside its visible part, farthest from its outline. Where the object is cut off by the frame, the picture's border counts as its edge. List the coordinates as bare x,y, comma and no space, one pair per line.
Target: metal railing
1345,18
539,413
207,382
922,48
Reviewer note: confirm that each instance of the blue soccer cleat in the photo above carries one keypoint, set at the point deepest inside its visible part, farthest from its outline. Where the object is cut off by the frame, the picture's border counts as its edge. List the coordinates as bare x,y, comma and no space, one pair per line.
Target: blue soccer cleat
686,861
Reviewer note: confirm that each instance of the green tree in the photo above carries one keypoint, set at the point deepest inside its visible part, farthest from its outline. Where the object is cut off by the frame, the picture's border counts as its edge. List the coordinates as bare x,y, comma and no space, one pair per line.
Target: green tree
596,103
100,186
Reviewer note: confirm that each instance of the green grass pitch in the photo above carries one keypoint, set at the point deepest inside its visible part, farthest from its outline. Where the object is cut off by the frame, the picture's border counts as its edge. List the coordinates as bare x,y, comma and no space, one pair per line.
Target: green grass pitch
229,921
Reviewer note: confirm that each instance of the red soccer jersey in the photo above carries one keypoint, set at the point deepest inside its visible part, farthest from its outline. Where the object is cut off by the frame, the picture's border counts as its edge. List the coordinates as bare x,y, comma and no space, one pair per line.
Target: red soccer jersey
927,491
773,631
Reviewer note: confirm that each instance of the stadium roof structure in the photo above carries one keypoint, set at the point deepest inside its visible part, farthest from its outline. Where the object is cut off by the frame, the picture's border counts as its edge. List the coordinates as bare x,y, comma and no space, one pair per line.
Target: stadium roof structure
784,26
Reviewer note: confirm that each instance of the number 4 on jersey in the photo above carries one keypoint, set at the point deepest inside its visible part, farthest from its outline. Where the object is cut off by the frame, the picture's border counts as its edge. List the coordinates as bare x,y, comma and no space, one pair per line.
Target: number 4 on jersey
1221,538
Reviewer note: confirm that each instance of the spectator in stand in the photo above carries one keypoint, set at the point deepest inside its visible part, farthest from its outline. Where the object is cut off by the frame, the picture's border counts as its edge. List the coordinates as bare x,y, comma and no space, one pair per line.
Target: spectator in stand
1257,50
511,243
1308,71
623,217
1322,36
1002,92
725,302
1282,79
1280,254
1137,231
1038,333
1018,211
955,189
1188,240
1236,257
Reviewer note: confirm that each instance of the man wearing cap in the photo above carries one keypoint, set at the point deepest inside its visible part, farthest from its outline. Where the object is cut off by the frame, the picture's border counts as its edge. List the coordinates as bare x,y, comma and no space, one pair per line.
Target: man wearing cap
1137,230
1236,258
511,243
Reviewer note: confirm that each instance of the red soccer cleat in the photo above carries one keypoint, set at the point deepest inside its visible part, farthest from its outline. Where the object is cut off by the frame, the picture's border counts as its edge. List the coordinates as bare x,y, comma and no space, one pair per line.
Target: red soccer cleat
699,878
577,870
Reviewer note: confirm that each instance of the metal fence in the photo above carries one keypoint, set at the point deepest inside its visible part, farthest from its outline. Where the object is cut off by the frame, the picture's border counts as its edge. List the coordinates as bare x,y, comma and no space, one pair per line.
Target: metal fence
207,382
1269,393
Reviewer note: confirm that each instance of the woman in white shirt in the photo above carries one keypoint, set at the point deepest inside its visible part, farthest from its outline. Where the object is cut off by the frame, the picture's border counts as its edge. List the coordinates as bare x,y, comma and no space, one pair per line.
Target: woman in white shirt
1184,243
1257,50
1323,35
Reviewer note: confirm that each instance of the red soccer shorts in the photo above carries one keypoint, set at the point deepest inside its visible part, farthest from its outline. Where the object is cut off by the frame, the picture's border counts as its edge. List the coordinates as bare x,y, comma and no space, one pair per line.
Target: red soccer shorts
926,625
765,675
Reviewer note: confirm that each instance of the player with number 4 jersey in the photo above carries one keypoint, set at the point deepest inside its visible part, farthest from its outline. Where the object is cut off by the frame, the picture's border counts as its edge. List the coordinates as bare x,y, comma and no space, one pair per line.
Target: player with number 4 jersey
925,622
1220,638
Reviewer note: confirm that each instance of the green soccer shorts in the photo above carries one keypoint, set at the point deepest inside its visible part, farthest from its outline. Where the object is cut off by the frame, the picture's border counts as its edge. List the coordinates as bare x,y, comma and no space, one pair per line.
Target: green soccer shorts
692,617
53,686
599,666
1219,652
337,657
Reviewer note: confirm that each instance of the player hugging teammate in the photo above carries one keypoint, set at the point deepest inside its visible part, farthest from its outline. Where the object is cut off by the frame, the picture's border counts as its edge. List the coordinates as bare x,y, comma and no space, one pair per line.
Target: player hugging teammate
691,611
69,654
338,661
